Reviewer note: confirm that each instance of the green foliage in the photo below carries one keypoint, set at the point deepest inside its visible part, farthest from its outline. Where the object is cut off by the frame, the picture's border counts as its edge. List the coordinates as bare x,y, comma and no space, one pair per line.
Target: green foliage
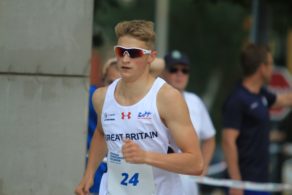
281,15
109,12
211,34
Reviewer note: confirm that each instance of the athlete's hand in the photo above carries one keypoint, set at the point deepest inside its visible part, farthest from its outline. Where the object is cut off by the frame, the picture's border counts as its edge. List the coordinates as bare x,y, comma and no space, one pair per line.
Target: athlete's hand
132,152
84,185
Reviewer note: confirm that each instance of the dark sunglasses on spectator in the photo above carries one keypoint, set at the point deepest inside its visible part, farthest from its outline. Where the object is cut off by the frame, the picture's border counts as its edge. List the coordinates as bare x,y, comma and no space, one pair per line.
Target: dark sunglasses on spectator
133,52
175,70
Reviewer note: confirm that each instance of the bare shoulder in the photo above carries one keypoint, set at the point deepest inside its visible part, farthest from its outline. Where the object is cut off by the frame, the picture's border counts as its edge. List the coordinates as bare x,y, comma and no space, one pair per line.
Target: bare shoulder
169,100
169,94
98,98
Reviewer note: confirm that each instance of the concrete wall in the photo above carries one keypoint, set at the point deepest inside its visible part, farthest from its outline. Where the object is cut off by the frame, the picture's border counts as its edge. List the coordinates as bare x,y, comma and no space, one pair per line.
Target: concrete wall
47,36
45,47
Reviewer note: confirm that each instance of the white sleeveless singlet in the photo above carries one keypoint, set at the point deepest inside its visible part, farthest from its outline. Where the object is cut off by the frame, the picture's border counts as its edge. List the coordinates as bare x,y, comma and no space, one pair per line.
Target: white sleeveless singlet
141,123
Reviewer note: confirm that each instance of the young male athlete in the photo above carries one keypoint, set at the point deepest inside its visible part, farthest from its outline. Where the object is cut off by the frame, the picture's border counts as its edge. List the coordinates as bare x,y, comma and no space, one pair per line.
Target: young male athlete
139,116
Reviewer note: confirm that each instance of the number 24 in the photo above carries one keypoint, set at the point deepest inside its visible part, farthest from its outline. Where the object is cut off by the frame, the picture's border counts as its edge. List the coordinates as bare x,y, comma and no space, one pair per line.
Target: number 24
134,180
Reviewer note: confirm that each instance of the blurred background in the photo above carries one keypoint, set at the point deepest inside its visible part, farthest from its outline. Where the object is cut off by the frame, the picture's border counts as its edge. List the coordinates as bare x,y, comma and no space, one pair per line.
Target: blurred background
51,51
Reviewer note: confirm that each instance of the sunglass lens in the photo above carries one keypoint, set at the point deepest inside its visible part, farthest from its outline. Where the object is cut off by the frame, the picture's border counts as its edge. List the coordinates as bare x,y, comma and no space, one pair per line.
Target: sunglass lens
133,53
175,70
119,51
185,71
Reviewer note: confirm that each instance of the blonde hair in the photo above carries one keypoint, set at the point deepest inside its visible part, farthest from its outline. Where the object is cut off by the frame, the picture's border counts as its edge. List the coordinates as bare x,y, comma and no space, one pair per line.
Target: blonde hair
112,62
140,29
157,67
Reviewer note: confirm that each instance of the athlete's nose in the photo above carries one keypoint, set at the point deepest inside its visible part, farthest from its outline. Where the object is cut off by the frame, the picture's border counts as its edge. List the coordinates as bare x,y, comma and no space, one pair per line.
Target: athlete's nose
126,56
126,53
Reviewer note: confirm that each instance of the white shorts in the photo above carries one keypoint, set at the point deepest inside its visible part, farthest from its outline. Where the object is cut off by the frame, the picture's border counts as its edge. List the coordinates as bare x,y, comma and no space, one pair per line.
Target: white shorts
103,184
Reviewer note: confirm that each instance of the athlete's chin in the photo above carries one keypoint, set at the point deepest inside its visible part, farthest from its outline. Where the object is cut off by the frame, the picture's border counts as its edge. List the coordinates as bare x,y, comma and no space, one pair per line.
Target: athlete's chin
125,74
127,77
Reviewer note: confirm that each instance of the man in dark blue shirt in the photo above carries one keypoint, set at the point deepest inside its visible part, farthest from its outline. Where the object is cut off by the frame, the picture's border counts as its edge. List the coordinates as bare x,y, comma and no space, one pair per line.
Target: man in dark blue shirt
245,137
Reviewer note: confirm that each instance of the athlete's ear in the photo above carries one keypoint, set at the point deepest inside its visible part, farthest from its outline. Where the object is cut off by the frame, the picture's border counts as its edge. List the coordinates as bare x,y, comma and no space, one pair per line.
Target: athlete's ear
152,56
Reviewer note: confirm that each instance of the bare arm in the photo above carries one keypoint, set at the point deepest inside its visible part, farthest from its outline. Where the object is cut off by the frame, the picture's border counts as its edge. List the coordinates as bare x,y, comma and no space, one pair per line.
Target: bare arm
208,147
98,148
231,157
174,112
283,100
97,152
230,152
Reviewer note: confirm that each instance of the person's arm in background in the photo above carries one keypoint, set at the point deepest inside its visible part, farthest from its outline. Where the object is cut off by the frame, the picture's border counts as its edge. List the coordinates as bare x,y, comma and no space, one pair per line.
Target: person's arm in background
207,135
92,117
283,100
208,147
232,121
229,147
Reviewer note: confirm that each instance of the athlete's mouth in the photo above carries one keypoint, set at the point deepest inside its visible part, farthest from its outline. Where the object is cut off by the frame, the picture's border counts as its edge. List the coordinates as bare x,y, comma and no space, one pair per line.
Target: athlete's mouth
126,68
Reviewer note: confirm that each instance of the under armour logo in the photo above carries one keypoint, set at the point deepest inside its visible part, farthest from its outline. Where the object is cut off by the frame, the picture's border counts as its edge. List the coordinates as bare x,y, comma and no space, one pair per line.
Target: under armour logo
126,115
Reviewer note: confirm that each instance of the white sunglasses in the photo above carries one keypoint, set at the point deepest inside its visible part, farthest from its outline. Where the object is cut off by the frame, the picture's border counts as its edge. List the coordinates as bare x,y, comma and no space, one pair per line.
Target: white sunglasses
133,52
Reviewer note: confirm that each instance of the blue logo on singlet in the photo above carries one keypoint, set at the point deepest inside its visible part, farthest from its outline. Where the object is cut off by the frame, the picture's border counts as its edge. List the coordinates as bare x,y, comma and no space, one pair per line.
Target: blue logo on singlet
144,115
109,117
115,158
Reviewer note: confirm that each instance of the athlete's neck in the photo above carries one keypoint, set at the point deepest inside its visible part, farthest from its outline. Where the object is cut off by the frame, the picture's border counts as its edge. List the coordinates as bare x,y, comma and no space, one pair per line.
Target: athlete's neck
128,93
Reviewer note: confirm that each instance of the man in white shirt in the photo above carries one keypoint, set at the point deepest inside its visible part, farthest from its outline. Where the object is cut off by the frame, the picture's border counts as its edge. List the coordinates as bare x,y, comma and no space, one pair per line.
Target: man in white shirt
177,69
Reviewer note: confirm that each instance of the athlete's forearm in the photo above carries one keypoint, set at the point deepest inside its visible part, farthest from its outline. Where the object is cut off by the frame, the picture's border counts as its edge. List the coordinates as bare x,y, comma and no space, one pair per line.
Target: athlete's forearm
184,163
97,152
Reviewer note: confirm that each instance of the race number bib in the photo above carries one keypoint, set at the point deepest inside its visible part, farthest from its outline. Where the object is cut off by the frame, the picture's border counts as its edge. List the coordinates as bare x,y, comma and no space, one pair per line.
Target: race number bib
129,179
